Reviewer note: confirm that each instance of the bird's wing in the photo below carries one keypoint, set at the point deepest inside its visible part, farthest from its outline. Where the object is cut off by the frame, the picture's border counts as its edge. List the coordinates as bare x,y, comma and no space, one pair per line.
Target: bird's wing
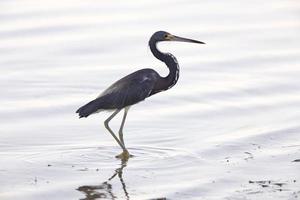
128,90
125,92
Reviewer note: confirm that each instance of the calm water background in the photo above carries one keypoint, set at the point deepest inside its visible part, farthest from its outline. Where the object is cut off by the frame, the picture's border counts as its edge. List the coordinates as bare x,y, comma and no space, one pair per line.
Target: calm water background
228,130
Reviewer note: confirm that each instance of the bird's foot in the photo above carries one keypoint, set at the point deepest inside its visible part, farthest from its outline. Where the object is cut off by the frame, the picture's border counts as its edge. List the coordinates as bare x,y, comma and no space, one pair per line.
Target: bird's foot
124,155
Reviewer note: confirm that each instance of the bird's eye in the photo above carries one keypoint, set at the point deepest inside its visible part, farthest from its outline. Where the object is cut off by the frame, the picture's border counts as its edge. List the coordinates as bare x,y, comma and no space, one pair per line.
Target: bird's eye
166,36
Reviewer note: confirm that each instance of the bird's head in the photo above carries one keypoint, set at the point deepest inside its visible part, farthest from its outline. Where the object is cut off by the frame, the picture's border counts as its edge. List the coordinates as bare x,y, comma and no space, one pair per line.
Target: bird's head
160,36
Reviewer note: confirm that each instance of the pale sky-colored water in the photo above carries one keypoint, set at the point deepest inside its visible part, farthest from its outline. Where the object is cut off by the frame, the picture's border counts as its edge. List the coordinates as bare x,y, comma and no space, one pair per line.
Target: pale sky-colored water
229,129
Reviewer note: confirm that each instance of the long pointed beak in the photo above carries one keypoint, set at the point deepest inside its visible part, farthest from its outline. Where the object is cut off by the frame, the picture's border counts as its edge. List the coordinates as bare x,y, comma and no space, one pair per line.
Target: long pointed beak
181,39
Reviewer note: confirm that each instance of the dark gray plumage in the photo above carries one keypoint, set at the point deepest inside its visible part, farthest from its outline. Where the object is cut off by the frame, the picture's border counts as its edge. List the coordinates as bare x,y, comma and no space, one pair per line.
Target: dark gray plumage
137,86
127,91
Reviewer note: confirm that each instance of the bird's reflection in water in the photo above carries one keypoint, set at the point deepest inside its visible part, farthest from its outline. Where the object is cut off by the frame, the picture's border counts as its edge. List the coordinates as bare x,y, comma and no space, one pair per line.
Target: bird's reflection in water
105,189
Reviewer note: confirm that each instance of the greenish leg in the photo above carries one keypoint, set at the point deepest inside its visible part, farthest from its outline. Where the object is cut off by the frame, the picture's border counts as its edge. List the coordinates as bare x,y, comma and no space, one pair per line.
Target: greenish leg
122,125
111,132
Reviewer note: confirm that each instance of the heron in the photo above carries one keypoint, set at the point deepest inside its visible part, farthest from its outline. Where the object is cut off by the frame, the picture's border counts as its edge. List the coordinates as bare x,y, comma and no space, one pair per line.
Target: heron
136,87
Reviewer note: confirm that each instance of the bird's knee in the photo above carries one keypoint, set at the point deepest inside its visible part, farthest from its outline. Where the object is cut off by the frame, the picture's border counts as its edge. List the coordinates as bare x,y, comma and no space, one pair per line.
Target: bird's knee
106,124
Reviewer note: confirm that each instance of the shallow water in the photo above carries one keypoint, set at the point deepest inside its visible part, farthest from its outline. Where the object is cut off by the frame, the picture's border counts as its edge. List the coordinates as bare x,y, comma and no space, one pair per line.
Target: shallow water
229,129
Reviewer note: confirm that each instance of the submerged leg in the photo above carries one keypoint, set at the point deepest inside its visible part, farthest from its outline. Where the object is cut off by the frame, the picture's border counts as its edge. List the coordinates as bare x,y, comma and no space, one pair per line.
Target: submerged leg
111,132
122,125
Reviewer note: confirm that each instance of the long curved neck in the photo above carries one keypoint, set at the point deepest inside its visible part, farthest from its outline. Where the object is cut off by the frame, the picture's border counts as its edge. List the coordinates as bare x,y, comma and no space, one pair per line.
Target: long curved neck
165,83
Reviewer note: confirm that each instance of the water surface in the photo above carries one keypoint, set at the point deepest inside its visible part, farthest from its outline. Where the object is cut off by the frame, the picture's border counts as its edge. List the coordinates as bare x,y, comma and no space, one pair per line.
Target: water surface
229,129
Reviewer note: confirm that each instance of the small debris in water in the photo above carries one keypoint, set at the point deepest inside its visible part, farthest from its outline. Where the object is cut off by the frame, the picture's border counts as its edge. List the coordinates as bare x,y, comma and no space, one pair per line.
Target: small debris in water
279,184
271,183
249,157
49,165
297,160
227,158
257,145
84,169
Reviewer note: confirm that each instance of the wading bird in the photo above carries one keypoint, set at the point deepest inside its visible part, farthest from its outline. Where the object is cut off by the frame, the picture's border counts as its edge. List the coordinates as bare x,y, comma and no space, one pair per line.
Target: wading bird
136,87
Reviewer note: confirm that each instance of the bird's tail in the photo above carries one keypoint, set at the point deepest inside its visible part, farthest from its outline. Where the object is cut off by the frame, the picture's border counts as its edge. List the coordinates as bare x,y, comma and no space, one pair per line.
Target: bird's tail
88,109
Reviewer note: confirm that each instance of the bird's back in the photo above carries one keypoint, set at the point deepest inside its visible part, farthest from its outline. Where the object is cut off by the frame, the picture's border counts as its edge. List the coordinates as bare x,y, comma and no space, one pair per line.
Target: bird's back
127,91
